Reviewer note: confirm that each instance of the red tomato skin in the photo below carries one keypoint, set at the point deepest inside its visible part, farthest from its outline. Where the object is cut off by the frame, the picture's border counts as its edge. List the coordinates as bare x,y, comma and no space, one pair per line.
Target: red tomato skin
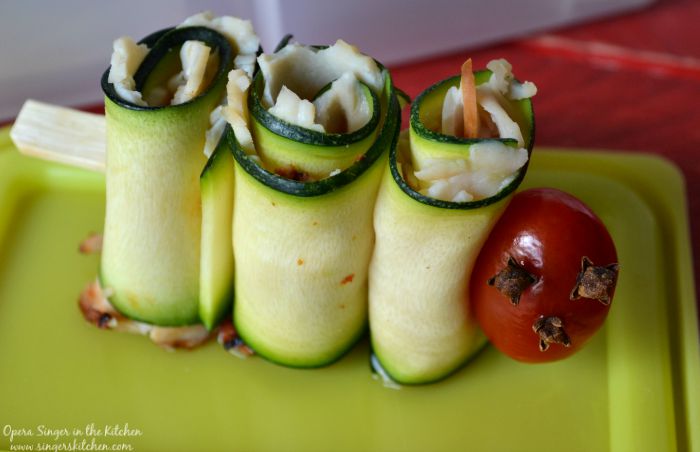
548,232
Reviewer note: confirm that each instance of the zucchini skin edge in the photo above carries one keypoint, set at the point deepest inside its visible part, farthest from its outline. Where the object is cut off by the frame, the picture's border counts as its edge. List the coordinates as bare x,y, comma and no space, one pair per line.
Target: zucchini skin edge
417,125
476,351
387,137
301,134
162,42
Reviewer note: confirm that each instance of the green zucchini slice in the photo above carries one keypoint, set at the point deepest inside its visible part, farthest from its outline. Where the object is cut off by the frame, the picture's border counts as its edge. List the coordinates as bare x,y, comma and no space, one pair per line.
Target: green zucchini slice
303,247
216,278
311,154
151,255
421,329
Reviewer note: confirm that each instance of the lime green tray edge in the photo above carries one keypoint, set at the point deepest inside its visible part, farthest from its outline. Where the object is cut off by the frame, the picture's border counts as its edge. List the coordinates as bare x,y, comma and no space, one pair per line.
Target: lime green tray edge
661,184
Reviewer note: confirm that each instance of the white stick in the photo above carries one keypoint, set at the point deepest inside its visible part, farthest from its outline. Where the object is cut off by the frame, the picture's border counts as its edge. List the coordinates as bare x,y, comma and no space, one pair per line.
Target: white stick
61,134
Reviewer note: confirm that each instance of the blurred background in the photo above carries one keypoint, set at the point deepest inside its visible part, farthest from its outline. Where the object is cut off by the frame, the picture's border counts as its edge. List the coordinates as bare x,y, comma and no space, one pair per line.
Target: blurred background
56,51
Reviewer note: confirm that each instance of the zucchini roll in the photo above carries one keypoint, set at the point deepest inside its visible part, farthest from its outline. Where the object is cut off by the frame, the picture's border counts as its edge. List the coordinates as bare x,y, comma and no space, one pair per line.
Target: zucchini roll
310,137
159,94
446,185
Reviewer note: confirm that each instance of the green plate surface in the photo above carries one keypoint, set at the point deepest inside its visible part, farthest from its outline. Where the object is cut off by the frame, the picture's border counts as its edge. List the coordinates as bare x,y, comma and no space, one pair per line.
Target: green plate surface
636,387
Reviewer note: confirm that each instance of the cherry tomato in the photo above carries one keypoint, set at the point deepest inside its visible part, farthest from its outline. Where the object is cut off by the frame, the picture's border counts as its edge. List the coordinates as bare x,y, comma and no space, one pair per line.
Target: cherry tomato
543,282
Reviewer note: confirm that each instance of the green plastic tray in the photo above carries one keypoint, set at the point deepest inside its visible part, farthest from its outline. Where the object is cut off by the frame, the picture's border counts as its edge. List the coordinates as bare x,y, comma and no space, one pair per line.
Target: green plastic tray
636,387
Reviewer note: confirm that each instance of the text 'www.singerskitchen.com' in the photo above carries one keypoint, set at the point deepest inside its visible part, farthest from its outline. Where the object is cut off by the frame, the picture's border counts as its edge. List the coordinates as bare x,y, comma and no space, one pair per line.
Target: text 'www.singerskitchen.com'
91,437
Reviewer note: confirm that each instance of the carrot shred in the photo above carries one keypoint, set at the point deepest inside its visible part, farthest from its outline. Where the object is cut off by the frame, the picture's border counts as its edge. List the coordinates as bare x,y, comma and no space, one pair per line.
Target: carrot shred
471,114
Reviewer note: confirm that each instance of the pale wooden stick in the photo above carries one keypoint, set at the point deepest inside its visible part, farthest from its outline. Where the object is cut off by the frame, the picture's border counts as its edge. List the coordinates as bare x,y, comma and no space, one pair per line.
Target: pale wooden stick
471,115
61,134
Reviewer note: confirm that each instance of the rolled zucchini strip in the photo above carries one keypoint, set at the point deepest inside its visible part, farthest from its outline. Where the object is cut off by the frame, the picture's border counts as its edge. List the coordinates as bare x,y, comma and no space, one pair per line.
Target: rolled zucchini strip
151,254
302,228
421,329
217,266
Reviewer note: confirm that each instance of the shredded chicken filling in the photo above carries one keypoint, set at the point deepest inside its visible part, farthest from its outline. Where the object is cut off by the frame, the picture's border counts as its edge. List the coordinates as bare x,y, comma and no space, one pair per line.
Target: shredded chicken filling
198,62
490,165
293,78
295,75
96,308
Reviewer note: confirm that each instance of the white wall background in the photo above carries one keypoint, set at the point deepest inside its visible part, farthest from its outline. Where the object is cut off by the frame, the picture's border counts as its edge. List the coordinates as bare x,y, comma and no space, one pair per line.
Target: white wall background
55,51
